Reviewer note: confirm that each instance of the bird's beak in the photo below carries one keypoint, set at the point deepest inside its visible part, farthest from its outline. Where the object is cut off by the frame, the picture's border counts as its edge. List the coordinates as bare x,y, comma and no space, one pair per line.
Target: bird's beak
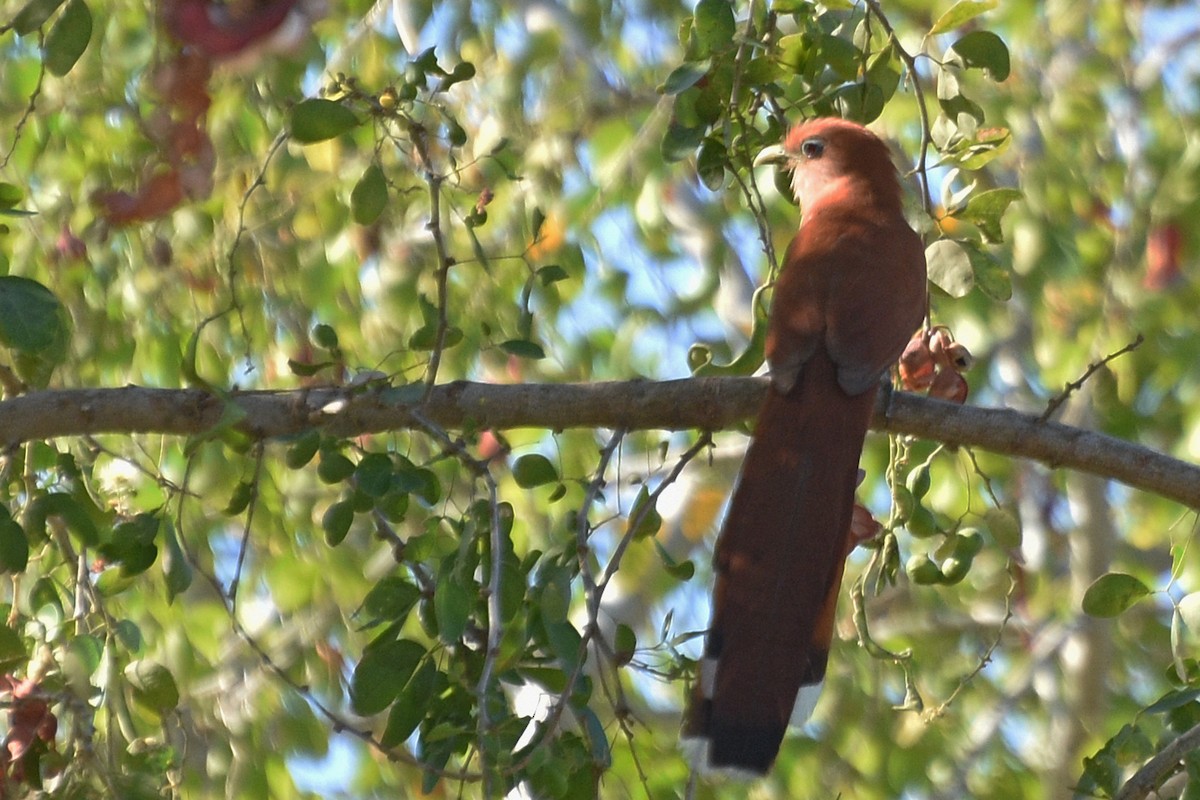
775,154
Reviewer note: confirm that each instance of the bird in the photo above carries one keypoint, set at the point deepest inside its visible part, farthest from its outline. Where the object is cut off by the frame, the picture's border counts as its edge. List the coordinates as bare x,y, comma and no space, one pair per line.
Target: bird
850,293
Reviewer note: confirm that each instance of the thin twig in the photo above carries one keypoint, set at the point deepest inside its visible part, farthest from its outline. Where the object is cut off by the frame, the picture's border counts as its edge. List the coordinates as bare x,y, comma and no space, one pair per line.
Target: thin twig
583,529
259,449
27,114
434,180
1076,385
914,77
614,562
260,180
986,658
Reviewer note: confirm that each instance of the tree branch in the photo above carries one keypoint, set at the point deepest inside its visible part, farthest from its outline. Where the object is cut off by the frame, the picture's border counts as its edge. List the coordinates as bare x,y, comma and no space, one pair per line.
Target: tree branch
708,404
1152,774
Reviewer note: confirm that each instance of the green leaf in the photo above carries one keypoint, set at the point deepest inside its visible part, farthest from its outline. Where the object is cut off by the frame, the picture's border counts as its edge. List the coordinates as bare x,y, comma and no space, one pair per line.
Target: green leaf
10,194
1111,594
33,15
564,641
711,162
533,470
984,50
988,143
644,515
1172,700
317,119
1004,527
153,686
624,644
336,522
685,76
243,493
883,72
68,38
681,141
523,348
409,708
12,649
949,267
452,606
601,753
66,507
131,544
425,337
985,210
959,13
113,581
391,599
83,655
381,673
1188,609
369,196
373,475
463,71
177,570
303,449
841,56
325,336
14,547
31,318
552,273
699,356
554,601
680,570
715,25
334,467
991,276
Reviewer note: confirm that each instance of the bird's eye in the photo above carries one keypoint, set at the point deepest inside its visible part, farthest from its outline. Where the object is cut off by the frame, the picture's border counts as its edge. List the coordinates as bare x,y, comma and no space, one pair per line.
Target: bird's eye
812,148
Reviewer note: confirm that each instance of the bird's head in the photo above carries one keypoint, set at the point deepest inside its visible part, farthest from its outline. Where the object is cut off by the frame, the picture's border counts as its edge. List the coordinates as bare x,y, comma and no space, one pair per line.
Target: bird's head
829,155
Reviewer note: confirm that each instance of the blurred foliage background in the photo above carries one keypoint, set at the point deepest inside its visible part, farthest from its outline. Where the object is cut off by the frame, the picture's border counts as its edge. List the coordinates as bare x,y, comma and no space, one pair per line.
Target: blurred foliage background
275,195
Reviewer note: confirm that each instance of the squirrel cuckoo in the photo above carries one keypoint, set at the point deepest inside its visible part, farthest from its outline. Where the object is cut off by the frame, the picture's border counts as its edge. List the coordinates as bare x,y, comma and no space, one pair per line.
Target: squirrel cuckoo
850,293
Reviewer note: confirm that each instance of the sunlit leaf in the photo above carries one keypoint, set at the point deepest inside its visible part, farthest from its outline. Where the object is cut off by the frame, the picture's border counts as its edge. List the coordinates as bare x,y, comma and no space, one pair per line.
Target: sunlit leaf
10,194
153,686
317,119
950,268
985,209
1112,594
959,13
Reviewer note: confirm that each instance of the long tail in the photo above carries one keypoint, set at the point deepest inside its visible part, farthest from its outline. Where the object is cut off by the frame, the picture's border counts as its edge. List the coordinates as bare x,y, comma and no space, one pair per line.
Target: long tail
778,564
